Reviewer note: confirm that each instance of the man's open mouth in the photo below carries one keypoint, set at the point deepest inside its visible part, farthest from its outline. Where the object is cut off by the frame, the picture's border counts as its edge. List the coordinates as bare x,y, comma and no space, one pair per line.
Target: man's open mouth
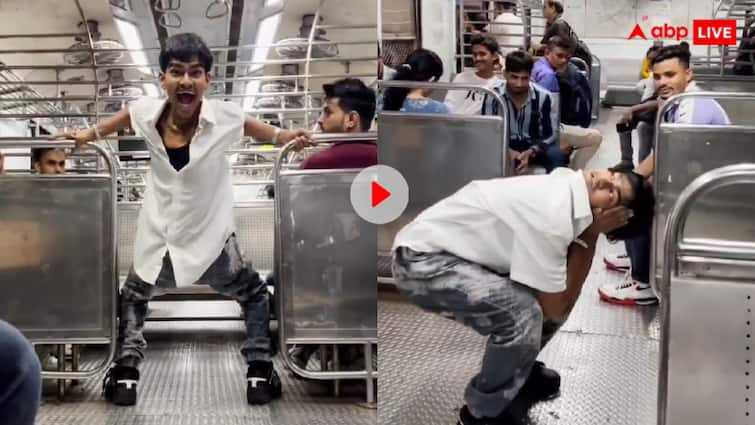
185,98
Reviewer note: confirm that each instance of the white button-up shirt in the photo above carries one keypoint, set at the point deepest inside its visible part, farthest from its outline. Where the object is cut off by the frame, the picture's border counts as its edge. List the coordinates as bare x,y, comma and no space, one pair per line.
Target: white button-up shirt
188,213
522,226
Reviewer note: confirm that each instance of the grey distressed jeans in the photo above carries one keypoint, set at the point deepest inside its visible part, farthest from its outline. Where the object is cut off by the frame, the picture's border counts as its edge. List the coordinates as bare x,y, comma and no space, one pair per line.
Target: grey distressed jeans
230,275
491,304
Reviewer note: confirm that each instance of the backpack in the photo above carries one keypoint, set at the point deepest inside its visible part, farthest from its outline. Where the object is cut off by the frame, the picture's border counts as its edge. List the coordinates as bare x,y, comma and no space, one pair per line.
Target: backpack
575,97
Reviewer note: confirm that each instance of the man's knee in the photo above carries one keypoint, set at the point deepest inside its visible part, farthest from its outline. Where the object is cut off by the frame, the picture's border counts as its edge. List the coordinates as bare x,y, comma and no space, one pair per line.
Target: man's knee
20,377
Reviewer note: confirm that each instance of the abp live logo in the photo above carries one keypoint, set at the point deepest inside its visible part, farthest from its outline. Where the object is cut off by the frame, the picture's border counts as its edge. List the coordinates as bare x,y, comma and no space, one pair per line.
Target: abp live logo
705,32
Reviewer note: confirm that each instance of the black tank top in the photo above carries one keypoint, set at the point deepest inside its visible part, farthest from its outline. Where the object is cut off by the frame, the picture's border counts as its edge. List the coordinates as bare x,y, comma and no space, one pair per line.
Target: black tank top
178,157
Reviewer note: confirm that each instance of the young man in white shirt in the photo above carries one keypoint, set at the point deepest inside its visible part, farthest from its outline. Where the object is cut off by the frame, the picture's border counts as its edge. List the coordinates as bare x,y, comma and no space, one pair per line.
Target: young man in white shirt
508,258
507,27
185,232
485,51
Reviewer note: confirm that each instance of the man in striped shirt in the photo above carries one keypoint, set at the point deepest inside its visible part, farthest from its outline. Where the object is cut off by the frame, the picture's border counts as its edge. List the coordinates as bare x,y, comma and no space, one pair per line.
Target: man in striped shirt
533,121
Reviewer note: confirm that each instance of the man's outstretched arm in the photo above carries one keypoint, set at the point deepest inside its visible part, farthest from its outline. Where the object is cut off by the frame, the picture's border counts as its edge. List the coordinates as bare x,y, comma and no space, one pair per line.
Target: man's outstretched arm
105,127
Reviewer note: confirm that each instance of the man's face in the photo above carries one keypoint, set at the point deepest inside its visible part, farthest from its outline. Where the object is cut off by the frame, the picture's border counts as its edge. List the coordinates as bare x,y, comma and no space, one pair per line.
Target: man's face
333,119
484,59
549,12
517,83
185,84
558,57
671,77
52,162
608,189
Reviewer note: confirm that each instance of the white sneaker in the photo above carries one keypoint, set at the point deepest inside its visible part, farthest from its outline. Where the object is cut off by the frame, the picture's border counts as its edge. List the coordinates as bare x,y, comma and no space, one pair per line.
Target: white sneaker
617,262
628,292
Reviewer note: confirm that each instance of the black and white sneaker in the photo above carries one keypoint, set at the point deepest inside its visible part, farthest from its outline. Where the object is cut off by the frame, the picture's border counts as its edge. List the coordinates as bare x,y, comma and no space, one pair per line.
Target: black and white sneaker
263,384
119,385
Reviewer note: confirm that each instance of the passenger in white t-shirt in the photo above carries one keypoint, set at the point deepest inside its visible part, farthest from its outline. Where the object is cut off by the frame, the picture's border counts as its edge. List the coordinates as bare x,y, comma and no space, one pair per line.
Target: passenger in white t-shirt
486,54
508,258
507,28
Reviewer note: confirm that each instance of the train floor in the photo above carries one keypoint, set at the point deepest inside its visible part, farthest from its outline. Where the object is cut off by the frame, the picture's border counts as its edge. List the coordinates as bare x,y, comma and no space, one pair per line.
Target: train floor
607,355
194,374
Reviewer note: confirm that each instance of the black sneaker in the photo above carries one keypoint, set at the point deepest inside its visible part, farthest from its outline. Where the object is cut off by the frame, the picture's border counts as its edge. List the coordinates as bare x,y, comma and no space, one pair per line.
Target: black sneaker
515,414
119,385
263,383
542,384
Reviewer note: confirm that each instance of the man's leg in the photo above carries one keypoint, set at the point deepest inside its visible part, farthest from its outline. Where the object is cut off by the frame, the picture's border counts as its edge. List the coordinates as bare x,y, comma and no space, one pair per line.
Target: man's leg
635,290
492,305
232,276
553,157
646,135
122,379
20,378
584,142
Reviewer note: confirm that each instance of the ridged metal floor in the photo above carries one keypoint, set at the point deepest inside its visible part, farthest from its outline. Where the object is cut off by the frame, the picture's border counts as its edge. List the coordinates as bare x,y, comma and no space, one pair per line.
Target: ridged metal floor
195,375
607,355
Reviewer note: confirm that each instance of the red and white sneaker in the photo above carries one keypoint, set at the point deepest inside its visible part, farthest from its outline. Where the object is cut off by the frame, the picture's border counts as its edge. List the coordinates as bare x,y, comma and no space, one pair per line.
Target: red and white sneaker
628,292
617,262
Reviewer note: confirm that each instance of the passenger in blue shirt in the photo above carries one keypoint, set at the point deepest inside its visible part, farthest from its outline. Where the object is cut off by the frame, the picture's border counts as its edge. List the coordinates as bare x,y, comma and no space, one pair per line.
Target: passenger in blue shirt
420,65
557,53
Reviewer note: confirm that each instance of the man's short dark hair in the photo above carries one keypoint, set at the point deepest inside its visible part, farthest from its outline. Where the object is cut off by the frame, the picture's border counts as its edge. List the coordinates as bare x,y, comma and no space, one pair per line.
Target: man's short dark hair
519,61
185,47
556,5
561,42
353,96
642,207
487,42
670,52
38,153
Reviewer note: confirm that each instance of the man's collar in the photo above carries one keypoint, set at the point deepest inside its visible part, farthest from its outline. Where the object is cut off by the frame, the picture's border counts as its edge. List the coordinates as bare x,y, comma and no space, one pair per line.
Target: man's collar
206,113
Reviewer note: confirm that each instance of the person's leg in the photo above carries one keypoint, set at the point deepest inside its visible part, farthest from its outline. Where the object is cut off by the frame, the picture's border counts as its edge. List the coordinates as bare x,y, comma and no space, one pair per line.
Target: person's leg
20,378
232,276
583,142
553,157
122,379
491,304
635,290
646,135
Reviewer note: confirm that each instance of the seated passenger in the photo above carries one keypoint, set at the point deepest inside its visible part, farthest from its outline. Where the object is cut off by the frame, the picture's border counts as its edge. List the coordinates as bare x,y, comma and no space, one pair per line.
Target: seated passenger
575,102
349,108
485,52
532,124
49,160
673,76
20,378
508,258
421,65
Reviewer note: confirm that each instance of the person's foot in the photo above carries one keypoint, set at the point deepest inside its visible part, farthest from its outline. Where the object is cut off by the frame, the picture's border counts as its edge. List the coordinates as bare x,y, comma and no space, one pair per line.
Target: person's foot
542,384
515,414
617,262
263,383
628,292
119,385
